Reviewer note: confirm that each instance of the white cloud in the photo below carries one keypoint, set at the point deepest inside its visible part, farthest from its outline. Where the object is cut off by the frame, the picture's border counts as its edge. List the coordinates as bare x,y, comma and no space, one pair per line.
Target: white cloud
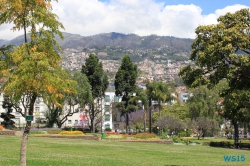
90,17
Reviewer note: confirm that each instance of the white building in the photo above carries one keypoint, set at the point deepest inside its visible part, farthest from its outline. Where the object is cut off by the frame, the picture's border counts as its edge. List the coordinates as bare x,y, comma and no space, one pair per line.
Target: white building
79,118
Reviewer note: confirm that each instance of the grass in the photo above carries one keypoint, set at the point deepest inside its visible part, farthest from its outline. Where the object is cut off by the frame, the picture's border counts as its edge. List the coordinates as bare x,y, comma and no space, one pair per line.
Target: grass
42,151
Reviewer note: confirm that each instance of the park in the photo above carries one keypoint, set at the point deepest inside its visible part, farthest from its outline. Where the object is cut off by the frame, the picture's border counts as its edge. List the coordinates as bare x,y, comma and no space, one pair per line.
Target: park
204,129
45,151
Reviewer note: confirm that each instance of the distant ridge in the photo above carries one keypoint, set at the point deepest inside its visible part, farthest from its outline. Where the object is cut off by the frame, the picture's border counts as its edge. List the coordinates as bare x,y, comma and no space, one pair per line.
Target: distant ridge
114,39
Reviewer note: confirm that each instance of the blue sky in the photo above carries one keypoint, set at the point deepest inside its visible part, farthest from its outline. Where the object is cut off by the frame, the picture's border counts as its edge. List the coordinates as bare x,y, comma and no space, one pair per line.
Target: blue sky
177,18
207,6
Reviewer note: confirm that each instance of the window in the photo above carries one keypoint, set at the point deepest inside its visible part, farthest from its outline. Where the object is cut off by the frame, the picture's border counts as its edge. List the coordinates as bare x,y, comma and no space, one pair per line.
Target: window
107,98
106,108
69,121
76,121
107,126
37,109
116,99
107,118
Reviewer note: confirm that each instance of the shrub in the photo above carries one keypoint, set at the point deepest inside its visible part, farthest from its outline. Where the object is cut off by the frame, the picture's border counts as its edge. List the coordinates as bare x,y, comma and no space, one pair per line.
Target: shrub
108,129
145,136
164,135
175,139
1,127
71,133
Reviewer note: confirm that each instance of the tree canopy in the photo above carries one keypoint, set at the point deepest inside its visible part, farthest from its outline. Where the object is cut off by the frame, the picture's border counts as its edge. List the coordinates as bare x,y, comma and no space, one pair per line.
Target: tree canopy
221,51
98,81
125,85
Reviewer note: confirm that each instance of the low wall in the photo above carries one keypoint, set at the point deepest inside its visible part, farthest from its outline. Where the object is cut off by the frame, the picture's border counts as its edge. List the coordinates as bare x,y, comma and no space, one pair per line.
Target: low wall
7,132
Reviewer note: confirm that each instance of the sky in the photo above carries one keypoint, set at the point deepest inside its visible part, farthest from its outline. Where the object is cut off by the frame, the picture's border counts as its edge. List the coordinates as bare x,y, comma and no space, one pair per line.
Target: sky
178,18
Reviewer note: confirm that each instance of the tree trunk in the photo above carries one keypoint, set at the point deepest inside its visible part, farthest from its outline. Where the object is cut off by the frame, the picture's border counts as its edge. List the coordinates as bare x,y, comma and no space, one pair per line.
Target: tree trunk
149,116
92,119
92,125
26,132
24,144
236,133
145,119
127,122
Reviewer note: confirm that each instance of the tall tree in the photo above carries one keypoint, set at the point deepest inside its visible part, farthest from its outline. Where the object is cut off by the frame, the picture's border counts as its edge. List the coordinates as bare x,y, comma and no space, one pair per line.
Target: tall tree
159,92
98,81
34,69
221,51
125,85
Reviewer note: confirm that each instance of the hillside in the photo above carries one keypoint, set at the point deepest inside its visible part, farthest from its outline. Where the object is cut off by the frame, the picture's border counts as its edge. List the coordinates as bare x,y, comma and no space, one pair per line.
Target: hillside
130,43
114,39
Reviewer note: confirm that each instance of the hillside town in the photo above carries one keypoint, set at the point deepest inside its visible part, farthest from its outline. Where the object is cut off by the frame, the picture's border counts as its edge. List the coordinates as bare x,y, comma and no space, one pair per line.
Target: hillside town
156,69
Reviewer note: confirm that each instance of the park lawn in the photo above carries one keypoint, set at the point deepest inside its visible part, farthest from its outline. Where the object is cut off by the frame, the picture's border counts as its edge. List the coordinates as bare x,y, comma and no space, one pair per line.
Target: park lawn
43,151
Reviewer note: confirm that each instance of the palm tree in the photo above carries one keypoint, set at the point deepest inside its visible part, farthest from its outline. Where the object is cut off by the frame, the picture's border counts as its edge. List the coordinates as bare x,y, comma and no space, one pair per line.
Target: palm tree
157,91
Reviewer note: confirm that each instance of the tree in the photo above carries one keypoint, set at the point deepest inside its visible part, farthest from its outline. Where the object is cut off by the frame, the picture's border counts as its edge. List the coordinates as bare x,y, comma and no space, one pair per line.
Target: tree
83,96
8,123
142,101
172,124
27,14
236,108
221,51
98,81
34,69
203,126
125,85
159,92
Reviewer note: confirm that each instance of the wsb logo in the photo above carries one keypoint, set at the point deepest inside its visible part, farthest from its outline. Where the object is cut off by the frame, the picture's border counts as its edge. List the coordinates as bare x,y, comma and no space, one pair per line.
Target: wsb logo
234,158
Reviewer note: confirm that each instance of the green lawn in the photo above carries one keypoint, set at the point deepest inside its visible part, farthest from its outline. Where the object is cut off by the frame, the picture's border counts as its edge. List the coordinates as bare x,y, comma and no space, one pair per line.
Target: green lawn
76,152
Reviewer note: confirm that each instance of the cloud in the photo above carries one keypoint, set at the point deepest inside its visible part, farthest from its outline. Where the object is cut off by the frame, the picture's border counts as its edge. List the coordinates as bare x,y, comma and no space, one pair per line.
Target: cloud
90,17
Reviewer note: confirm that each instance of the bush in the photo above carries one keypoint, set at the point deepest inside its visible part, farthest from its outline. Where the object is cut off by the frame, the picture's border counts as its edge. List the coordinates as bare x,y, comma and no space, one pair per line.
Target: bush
164,135
71,133
184,134
144,136
175,139
221,144
108,129
1,127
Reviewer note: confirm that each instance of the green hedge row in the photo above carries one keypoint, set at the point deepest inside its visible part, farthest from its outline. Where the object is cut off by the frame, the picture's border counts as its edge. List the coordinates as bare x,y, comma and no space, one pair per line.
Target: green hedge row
227,144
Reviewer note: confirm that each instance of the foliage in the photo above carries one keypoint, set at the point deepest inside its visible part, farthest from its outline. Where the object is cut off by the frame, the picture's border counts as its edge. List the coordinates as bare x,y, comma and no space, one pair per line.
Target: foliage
98,81
35,69
184,134
125,86
171,124
1,127
108,129
180,111
79,99
145,136
221,51
71,133
203,126
164,135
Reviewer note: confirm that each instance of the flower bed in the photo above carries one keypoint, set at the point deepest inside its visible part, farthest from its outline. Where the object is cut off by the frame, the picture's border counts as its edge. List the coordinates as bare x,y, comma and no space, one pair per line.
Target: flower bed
145,136
71,133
